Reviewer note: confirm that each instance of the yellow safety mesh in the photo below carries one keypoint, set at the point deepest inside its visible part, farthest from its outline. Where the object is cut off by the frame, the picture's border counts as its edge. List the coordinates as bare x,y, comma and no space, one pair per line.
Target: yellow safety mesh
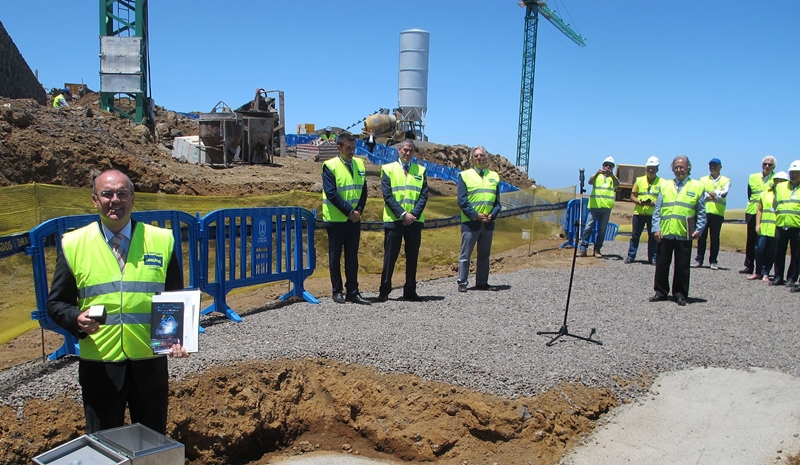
24,207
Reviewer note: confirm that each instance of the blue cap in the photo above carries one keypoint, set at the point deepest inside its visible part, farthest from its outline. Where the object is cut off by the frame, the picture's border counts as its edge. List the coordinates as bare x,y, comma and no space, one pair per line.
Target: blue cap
715,160
65,90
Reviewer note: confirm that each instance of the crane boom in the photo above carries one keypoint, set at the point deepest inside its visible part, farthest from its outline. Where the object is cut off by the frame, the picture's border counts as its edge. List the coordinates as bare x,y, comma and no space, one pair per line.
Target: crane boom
532,10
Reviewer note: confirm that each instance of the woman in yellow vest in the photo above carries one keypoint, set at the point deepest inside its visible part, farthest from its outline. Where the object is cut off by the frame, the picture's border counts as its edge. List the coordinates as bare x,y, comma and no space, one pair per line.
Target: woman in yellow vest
765,227
601,201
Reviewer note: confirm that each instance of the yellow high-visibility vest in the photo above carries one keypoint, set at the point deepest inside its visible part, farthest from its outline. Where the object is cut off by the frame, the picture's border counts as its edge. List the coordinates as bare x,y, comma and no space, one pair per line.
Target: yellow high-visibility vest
406,189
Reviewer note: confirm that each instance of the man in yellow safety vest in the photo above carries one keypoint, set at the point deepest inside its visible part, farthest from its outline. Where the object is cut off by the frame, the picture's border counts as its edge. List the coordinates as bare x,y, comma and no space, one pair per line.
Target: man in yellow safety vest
717,187
679,217
601,201
766,220
787,210
755,186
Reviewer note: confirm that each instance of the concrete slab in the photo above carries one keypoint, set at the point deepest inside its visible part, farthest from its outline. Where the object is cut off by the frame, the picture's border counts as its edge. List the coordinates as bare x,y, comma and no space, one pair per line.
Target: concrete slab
702,416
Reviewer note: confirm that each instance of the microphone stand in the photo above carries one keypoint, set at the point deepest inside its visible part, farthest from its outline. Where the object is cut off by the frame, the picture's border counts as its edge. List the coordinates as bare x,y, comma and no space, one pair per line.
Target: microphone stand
564,331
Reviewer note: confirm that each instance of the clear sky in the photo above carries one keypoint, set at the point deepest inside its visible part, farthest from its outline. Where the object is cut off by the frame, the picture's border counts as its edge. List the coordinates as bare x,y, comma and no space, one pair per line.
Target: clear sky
703,78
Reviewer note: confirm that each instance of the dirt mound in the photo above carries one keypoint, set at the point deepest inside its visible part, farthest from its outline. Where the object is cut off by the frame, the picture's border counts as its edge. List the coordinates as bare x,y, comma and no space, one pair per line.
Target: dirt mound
66,147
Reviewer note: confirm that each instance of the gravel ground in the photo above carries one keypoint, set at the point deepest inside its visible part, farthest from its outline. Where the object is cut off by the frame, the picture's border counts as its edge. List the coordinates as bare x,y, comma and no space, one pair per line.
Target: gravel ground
487,340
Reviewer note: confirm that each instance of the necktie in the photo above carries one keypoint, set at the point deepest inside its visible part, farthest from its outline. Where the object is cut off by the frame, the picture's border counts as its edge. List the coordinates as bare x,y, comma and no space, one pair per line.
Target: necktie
116,247
405,169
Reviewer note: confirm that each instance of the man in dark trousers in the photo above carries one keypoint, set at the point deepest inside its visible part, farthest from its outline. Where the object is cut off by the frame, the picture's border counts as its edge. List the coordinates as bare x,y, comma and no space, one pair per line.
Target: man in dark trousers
344,196
679,218
756,184
119,264
405,193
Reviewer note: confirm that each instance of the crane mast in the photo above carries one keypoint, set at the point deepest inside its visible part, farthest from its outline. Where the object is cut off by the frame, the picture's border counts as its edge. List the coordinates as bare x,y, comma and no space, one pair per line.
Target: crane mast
532,10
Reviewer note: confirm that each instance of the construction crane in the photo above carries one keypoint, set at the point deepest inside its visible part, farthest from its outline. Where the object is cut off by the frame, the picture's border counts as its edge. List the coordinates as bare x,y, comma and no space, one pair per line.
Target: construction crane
532,10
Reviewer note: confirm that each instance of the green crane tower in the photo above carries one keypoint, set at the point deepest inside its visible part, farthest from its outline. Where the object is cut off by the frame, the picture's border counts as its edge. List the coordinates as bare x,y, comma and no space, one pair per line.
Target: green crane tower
124,59
532,10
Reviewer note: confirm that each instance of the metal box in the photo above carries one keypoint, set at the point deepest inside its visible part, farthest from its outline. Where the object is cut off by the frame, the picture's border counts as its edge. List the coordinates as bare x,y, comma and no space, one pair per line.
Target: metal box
131,444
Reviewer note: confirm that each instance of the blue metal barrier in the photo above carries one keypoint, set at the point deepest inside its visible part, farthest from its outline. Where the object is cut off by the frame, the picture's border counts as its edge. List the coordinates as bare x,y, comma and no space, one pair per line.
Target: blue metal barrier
572,229
185,228
257,246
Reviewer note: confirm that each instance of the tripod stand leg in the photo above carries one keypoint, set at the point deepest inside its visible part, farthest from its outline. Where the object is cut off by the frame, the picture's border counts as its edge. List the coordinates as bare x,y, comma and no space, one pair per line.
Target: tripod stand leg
564,331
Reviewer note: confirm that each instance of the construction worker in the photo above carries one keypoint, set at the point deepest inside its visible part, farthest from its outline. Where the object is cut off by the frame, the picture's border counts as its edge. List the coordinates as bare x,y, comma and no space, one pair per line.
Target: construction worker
787,210
765,227
601,201
119,264
679,217
344,196
644,194
755,186
61,101
717,187
328,135
479,200
405,193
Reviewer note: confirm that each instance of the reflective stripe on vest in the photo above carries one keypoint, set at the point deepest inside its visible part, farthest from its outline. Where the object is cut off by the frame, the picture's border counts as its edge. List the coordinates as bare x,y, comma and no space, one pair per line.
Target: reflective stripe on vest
646,191
768,216
406,189
788,206
349,186
716,207
757,185
602,195
677,207
126,297
481,191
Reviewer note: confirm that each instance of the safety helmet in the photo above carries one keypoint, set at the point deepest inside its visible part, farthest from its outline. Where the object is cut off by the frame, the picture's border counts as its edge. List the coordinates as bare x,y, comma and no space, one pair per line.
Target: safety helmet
795,166
328,129
781,175
652,161
609,160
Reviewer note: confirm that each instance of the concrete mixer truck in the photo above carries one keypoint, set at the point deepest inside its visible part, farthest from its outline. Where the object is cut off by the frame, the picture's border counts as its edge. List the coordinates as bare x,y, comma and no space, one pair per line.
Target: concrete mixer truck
388,128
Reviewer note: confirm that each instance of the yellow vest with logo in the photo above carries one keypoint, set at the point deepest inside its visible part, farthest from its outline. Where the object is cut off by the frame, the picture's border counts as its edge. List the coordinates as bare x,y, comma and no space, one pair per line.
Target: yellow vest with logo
349,186
602,195
481,191
788,206
757,185
716,207
646,191
768,217
127,296
677,207
57,101
406,189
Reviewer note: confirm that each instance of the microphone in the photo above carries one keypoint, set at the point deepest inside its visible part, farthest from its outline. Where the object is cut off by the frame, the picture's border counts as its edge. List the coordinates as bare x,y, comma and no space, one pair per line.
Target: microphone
582,178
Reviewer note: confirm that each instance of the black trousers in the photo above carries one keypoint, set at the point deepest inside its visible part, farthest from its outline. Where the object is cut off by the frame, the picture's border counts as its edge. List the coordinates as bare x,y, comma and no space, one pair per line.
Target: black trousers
750,244
787,237
714,227
392,238
108,388
682,250
347,236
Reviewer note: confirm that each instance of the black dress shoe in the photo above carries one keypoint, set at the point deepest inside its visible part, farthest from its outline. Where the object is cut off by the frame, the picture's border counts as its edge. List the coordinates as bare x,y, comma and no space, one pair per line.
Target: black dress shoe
486,287
777,282
412,297
745,271
383,297
338,297
357,299
680,300
795,289
658,297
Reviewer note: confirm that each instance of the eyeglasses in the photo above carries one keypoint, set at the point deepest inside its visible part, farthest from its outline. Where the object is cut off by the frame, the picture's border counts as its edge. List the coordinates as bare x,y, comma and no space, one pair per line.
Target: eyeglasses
608,165
768,164
122,195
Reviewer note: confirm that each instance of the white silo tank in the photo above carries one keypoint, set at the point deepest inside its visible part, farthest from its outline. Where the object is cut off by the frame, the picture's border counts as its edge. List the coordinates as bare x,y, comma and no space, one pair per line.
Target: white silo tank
412,89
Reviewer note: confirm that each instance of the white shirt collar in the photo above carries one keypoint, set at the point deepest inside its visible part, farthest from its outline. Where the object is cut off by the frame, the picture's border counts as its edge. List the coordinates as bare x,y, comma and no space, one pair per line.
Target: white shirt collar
126,232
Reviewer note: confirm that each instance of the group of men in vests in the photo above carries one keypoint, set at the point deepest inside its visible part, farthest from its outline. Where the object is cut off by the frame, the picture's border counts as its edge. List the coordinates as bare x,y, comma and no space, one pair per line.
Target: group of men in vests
404,187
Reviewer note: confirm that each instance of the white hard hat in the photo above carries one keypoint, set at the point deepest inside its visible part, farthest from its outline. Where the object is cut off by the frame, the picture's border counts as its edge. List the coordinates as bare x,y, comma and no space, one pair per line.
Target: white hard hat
795,166
652,161
781,175
611,160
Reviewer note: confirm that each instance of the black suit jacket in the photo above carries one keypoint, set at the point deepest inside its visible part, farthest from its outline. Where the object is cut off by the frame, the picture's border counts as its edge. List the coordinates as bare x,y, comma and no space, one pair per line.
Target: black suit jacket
63,310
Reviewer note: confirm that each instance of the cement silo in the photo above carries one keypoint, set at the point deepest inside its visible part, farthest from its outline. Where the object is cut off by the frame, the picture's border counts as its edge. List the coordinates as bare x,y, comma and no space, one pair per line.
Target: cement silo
412,89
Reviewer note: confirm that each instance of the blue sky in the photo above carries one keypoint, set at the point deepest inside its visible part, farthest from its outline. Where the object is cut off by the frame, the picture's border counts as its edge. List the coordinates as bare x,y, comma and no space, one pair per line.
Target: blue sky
703,78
